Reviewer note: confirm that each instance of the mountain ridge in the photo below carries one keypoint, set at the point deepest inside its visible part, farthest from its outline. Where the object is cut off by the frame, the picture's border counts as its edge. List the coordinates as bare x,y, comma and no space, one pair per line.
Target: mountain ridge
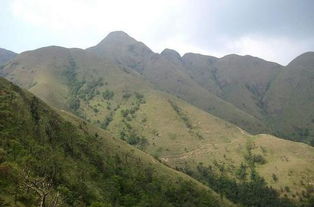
170,76
6,55
228,87
153,103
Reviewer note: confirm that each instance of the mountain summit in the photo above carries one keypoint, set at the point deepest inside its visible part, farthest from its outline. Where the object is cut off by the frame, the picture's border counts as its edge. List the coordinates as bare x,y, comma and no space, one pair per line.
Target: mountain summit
6,55
305,59
171,54
117,44
117,37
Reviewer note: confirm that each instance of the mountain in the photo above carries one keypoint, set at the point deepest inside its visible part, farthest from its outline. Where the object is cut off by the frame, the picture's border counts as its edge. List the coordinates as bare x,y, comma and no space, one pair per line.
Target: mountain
124,50
166,72
281,97
200,69
289,100
240,80
257,95
129,107
6,55
51,157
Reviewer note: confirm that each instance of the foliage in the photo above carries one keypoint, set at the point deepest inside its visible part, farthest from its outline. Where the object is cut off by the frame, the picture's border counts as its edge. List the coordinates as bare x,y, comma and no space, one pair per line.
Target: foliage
140,98
80,165
241,173
107,121
107,94
252,158
253,192
100,204
275,178
74,104
181,114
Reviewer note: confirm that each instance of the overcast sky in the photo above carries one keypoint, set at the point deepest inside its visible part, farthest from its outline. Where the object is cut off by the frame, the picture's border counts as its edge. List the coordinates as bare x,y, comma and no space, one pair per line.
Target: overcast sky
276,30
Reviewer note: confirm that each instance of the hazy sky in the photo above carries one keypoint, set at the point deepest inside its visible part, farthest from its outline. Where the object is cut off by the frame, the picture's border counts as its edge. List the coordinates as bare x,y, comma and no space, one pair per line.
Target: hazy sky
276,30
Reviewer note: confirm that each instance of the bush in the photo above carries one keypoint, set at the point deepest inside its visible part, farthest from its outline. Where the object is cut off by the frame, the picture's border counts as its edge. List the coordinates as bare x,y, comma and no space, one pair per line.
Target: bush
259,159
107,121
126,95
107,95
275,178
247,193
125,113
100,204
74,104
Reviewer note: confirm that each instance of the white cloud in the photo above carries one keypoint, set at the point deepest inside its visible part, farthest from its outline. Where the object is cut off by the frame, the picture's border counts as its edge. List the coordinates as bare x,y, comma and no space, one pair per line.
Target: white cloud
96,15
186,26
74,20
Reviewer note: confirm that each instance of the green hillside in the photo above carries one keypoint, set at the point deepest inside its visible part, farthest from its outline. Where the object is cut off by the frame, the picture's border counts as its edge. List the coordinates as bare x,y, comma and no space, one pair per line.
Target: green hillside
167,73
280,97
177,133
289,101
241,80
60,160
257,95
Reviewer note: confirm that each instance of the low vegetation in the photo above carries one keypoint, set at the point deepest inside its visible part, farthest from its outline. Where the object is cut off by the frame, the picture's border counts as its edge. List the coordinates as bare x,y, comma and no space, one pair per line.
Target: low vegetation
46,160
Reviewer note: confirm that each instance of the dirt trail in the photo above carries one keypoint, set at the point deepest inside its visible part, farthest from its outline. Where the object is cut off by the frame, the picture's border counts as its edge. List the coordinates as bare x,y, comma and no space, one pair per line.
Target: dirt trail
242,131
203,149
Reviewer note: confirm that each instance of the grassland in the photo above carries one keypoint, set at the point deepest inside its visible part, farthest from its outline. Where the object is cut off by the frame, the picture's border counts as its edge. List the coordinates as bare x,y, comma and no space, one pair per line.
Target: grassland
59,159
179,134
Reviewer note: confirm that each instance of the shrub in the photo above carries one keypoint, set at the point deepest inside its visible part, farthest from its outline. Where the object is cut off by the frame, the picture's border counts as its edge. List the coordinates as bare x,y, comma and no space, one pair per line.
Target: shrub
107,95
275,178
74,104
100,204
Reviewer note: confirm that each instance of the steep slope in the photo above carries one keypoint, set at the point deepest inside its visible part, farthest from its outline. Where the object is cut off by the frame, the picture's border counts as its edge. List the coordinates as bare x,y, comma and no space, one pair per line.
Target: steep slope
290,100
167,73
6,55
200,68
181,135
240,80
244,80
59,160
68,78
124,50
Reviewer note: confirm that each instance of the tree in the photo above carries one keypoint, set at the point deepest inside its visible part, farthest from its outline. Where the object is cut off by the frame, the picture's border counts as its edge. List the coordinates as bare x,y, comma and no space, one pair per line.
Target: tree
42,188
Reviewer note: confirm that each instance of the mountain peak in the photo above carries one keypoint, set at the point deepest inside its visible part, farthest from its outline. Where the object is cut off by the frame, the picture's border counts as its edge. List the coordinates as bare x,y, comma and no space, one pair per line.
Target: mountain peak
6,55
118,37
171,54
303,59
119,34
192,57
6,52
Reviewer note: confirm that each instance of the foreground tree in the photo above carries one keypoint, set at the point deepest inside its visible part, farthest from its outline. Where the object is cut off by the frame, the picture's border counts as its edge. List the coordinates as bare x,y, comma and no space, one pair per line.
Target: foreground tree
47,197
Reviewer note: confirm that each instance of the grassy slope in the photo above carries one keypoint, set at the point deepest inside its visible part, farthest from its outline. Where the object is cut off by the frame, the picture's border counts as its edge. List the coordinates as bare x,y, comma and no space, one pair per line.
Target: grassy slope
211,139
199,67
153,124
241,80
290,100
83,163
170,77
279,96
